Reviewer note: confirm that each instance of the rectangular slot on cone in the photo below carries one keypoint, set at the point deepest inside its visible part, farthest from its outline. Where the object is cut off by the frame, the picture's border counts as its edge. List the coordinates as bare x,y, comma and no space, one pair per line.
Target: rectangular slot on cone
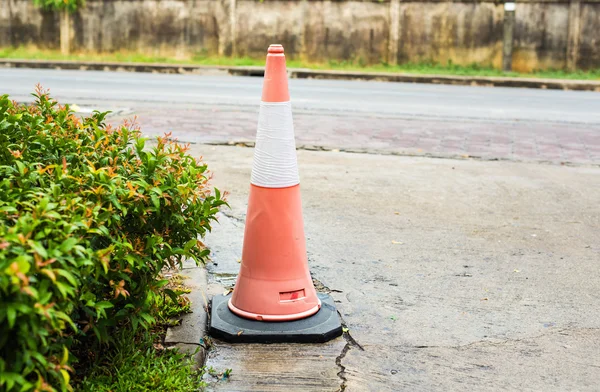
291,295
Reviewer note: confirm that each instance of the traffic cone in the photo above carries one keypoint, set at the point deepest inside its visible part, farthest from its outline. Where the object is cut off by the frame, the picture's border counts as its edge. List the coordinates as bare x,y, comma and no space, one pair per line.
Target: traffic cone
274,283
274,298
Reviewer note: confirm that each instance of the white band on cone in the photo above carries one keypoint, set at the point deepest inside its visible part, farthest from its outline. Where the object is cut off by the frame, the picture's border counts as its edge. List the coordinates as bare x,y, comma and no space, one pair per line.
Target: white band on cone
275,163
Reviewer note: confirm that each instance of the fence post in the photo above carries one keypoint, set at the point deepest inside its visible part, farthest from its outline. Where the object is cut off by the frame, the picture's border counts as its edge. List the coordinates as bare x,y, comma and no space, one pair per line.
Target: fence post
507,43
233,26
394,40
573,34
303,52
65,31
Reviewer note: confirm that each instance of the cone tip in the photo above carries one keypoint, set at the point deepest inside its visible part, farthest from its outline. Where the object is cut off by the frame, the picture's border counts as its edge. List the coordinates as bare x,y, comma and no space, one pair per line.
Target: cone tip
275,86
276,49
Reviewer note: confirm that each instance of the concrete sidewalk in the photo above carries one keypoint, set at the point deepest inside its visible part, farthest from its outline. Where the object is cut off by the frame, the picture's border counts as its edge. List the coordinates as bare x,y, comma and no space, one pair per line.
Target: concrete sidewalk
449,274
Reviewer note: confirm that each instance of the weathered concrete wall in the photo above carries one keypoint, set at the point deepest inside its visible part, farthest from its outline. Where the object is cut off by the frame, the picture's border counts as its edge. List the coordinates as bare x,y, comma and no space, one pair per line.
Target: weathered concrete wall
347,30
541,35
314,30
170,28
463,33
589,47
365,31
26,24
5,23
260,24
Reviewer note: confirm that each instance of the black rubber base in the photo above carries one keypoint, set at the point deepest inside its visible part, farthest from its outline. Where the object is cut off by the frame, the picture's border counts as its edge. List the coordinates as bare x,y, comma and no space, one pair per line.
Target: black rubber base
321,327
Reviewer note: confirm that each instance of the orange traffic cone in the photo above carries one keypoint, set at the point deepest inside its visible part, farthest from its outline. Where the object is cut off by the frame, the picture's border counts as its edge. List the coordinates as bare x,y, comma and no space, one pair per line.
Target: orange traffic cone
274,283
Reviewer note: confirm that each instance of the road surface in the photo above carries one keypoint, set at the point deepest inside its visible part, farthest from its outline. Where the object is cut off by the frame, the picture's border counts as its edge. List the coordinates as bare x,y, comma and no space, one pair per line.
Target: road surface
414,119
451,275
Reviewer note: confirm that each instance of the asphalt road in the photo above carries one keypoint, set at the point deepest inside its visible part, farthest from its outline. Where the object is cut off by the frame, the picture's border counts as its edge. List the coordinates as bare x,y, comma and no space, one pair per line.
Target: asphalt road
506,123
110,89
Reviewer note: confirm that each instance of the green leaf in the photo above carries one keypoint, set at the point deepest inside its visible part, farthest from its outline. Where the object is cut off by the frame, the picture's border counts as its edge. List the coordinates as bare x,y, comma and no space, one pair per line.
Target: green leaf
10,379
38,248
21,167
155,201
11,315
147,318
40,358
67,319
88,298
65,290
22,264
113,199
139,145
65,376
67,275
161,283
68,244
104,305
53,214
189,245
173,295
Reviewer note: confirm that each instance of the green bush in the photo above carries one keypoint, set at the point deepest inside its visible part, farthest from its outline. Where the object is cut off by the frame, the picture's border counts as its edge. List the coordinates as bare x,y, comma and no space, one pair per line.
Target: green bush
88,219
57,5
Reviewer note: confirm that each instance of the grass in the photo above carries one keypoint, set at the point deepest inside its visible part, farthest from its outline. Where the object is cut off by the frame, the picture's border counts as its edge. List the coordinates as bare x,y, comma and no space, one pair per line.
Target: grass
138,361
135,365
420,68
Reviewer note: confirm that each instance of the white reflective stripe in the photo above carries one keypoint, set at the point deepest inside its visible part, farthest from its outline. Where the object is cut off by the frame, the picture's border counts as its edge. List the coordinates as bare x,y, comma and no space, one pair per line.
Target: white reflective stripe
509,6
275,163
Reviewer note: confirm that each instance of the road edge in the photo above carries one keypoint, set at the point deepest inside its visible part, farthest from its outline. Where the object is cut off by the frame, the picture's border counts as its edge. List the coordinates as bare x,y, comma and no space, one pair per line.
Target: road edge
300,73
189,335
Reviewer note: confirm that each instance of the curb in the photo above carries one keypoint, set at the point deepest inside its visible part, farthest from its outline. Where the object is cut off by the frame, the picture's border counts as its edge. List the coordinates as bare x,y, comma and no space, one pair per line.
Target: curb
407,153
486,81
189,336
300,73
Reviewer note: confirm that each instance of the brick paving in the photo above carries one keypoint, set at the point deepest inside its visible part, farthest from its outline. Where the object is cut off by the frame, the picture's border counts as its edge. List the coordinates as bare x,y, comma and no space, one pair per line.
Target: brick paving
444,137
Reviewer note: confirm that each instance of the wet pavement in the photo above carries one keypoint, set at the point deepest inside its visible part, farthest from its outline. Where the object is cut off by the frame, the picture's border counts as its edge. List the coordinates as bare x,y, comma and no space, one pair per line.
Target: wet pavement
448,274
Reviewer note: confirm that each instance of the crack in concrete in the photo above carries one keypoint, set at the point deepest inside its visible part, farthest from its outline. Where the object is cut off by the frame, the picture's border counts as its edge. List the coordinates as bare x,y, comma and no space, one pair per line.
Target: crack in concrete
320,287
342,373
494,343
350,343
233,217
169,344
